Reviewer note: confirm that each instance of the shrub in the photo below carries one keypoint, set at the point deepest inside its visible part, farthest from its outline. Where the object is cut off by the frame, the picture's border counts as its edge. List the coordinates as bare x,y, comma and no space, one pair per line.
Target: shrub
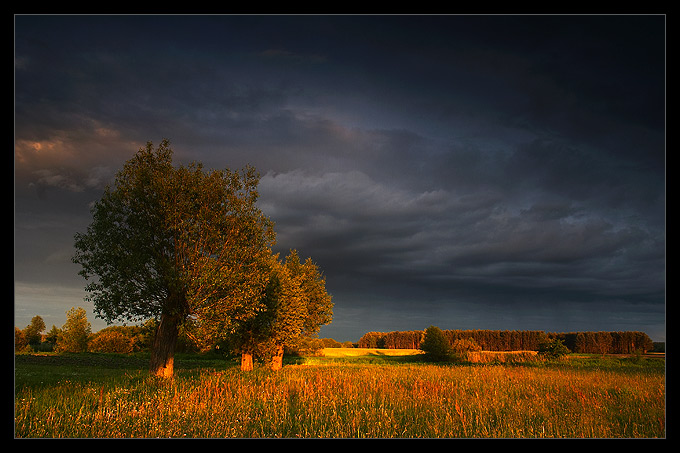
435,345
111,341
306,346
331,343
462,347
553,349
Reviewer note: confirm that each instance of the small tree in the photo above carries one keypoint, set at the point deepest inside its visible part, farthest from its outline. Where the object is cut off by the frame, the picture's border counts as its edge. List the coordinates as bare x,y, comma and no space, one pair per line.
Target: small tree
75,332
287,311
553,349
20,341
52,335
294,304
34,331
305,307
248,338
435,345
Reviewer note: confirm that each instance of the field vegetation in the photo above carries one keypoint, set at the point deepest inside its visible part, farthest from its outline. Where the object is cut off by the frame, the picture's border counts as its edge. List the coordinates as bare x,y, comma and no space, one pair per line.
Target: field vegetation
341,393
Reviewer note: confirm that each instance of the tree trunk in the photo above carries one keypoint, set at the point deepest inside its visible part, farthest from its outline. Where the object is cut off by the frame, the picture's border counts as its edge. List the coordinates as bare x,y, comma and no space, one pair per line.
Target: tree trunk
163,351
246,361
277,359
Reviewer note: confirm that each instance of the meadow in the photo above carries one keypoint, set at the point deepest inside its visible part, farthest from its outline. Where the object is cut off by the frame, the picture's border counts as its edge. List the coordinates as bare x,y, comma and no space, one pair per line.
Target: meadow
345,393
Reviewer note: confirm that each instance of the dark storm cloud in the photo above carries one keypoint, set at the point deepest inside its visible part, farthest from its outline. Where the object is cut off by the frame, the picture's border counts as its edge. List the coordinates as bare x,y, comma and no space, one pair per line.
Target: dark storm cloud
361,226
448,170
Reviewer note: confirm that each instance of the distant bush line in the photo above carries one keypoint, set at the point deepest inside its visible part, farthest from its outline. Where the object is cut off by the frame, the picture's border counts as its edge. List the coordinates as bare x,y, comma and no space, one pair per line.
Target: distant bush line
628,342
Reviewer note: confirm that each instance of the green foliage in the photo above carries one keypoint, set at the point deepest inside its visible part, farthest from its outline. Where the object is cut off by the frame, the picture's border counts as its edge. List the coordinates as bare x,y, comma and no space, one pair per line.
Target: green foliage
111,341
224,248
307,346
178,241
374,340
20,341
461,348
331,343
287,304
34,330
435,345
294,305
462,345
127,252
52,335
75,332
319,305
120,339
30,339
177,244
553,349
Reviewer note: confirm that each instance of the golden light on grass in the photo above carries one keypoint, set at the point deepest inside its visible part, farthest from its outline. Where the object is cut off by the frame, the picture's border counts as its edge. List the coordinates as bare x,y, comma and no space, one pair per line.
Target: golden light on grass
341,401
357,352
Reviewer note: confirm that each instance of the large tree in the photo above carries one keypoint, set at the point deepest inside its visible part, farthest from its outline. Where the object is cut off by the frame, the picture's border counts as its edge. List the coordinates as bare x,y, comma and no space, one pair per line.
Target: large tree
176,244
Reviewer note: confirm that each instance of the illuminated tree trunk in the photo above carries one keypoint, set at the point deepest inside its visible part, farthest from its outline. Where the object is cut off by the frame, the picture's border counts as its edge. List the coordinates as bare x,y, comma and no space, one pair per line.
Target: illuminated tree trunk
246,361
277,359
163,351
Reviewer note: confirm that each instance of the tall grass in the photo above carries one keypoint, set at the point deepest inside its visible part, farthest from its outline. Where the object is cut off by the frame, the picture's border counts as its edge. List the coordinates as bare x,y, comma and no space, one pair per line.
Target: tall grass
348,401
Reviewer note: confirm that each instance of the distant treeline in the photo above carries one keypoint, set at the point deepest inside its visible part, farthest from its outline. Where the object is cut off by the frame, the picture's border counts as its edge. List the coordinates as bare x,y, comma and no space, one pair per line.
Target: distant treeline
606,342
518,340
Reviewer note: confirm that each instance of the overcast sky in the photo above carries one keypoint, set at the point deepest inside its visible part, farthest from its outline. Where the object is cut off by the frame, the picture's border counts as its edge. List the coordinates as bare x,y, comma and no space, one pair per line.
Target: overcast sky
468,172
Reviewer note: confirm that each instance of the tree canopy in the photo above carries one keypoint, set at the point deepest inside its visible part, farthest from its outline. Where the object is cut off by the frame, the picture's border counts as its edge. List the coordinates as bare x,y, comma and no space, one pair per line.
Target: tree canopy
295,304
75,332
435,345
34,330
176,244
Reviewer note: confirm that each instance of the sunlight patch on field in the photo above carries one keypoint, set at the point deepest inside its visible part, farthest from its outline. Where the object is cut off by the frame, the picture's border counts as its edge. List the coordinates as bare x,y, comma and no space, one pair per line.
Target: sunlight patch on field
501,356
357,352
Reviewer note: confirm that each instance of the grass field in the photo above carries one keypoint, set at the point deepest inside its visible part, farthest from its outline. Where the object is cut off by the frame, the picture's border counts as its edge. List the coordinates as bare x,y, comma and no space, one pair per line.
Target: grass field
343,394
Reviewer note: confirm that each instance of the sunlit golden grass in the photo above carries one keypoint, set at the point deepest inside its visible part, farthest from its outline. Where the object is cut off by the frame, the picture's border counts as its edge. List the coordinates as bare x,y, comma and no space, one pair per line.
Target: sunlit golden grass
478,357
356,352
349,401
500,356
